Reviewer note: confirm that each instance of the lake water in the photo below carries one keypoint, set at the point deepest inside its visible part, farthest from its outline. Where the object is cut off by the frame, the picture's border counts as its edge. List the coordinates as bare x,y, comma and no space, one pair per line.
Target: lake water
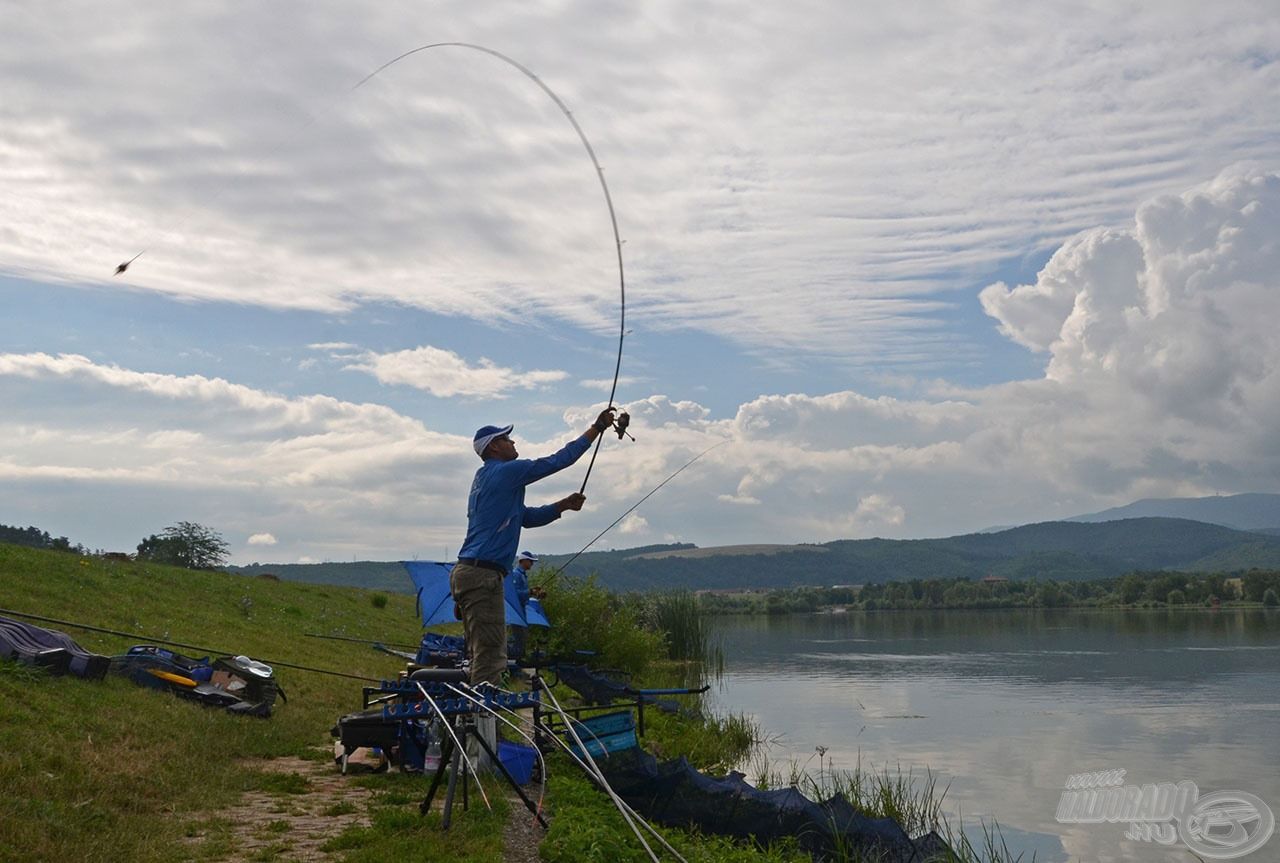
1005,705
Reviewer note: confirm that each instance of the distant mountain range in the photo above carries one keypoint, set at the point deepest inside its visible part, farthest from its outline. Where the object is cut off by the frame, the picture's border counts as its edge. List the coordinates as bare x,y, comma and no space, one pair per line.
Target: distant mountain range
1058,550
1259,512
1063,551
1223,534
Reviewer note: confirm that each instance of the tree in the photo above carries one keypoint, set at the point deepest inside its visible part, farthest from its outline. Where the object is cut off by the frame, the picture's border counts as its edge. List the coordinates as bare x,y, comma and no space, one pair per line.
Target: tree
1270,599
185,544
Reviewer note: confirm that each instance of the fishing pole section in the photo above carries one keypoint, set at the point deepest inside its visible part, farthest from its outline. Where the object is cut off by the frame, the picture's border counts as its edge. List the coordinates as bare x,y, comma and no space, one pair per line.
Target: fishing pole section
623,419
634,506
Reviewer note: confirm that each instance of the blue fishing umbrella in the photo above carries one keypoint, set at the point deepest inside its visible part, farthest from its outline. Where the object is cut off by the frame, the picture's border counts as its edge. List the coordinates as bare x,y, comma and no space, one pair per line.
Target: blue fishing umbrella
534,614
435,602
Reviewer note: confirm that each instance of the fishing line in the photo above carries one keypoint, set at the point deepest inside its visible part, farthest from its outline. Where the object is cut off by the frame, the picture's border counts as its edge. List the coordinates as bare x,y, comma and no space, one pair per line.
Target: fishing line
209,650
604,187
633,508
362,641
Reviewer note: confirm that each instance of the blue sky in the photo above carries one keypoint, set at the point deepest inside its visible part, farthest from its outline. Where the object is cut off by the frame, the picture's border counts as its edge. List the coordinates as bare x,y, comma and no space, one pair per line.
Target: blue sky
927,269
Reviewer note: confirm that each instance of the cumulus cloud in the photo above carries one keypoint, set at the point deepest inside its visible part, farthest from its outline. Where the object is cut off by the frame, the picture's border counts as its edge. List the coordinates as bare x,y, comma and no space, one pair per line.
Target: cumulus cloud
1162,378
443,373
262,539
1172,315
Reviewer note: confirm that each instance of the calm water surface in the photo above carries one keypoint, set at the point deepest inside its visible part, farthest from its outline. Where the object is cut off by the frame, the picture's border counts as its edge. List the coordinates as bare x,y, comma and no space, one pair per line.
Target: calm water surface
1004,705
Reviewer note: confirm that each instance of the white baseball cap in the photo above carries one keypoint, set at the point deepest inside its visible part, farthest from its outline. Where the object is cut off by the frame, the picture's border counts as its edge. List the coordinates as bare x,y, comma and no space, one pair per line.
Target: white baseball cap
484,437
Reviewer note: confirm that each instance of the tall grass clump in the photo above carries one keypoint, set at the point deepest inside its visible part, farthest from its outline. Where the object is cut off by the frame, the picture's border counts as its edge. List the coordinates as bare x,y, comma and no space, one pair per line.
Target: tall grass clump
678,616
913,801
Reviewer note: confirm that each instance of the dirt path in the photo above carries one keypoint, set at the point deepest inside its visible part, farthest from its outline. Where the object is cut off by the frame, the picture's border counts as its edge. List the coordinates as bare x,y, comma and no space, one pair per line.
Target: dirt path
521,836
276,825
293,827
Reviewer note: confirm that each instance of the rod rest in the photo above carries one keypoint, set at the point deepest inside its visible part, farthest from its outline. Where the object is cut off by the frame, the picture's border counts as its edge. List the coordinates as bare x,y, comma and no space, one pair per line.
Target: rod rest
439,675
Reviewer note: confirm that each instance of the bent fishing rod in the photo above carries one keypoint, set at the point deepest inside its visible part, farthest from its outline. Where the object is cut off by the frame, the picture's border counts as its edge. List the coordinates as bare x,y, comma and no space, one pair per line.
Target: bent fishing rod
604,187
210,650
632,509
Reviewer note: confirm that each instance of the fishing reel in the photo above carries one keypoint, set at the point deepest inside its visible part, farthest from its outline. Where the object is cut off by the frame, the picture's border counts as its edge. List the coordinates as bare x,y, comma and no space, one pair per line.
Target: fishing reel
621,423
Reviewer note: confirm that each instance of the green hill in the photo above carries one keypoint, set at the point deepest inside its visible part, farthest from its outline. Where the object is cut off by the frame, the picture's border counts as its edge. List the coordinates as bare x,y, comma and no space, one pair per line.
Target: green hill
108,771
389,576
1058,550
1063,551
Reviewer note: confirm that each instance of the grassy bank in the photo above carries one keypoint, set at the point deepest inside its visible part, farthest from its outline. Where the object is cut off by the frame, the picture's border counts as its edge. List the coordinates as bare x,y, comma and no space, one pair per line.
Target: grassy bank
108,771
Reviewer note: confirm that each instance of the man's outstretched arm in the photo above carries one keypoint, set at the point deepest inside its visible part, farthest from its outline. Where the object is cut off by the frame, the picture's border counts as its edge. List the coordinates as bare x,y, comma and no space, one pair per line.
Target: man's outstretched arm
538,468
537,516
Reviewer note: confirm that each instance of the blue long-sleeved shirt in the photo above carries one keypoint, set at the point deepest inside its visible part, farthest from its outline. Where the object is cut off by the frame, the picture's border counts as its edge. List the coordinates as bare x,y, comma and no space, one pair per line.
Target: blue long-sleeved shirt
520,584
496,510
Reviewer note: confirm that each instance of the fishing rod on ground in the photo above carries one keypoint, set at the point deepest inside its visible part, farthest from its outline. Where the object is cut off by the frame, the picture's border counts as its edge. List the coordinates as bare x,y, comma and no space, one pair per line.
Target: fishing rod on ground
632,509
623,419
362,640
210,650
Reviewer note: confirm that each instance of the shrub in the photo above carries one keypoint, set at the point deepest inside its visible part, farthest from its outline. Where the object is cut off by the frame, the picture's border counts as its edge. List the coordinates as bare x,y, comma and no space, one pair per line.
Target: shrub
585,616
379,600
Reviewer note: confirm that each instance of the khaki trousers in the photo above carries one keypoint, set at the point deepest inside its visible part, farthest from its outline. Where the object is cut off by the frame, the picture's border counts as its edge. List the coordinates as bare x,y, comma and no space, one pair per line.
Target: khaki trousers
478,593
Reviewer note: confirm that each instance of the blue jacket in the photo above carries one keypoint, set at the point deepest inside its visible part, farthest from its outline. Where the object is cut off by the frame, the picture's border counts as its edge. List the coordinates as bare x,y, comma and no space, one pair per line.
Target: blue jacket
496,510
520,584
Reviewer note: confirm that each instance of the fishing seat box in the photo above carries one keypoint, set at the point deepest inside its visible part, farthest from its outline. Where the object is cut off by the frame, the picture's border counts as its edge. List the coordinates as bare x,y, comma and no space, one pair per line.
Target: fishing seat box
367,728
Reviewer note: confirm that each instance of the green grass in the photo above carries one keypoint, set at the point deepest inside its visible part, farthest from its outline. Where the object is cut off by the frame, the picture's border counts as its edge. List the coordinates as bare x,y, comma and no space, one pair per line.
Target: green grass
107,770
588,829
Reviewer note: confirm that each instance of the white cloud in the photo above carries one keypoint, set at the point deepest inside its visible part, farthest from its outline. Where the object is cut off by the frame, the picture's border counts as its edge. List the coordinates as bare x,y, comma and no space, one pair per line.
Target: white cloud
444,374
633,524
1162,379
878,509
262,539
825,195
605,384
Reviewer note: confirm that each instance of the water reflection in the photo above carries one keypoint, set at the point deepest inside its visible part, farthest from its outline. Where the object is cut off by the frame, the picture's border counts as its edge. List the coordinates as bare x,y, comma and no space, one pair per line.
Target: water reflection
1004,705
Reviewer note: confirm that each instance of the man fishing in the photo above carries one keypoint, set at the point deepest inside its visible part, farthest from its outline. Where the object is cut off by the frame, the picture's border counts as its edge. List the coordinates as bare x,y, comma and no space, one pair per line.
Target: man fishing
518,582
495,514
